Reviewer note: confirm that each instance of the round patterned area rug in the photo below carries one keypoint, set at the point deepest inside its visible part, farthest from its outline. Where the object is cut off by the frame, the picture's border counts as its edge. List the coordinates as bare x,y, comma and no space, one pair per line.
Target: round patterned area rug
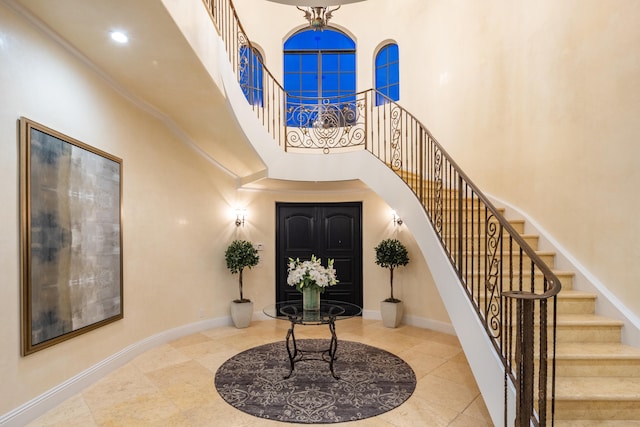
372,381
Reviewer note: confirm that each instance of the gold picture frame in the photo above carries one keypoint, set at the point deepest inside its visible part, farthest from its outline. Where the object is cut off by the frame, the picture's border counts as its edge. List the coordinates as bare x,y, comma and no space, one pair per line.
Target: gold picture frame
71,237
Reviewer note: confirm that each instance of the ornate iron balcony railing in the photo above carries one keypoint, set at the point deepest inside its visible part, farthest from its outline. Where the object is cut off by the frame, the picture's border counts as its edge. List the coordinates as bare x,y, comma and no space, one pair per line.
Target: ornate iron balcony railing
513,291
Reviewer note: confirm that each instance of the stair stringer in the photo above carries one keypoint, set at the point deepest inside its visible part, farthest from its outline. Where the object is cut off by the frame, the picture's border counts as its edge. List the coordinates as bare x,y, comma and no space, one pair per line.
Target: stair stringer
485,363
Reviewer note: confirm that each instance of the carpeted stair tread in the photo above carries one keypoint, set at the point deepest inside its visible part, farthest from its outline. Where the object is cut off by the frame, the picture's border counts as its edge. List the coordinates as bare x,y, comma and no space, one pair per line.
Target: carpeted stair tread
597,423
586,319
581,350
574,294
585,359
527,272
598,388
582,320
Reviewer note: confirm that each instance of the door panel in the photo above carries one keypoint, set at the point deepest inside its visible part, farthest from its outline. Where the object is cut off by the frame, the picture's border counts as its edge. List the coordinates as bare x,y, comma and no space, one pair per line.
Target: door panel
299,232
326,230
339,233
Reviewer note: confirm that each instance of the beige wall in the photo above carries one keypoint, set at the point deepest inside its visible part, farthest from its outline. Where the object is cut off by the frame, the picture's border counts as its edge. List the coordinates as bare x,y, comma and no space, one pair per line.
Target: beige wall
540,105
174,204
548,91
537,101
177,218
413,283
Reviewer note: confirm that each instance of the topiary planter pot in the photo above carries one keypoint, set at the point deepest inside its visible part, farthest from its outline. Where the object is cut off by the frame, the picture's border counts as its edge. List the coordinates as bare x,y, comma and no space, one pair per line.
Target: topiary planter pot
241,313
391,313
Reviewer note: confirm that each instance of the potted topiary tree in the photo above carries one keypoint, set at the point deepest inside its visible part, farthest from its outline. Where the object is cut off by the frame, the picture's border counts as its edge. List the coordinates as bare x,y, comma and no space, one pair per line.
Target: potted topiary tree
391,253
239,255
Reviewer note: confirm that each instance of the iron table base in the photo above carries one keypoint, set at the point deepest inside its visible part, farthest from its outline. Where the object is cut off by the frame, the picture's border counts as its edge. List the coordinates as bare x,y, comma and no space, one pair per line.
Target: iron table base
297,354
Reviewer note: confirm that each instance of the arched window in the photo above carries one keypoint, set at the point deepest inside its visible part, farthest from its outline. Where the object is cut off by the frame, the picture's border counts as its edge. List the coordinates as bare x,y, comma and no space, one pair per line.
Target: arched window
388,74
319,71
251,70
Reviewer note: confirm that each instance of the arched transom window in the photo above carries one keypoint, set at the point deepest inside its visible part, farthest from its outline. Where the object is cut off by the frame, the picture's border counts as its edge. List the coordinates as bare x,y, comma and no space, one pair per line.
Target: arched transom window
387,77
319,70
251,74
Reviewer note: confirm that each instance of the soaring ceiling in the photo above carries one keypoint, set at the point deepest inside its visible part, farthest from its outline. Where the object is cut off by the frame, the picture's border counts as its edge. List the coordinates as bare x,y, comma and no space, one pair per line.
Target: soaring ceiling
158,70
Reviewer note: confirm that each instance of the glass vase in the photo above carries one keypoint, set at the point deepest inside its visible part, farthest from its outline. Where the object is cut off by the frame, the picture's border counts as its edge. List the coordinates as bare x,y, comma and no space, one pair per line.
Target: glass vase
311,298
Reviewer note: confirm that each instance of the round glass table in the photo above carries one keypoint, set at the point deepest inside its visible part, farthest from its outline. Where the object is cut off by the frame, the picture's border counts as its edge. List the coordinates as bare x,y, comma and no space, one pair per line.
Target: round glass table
330,311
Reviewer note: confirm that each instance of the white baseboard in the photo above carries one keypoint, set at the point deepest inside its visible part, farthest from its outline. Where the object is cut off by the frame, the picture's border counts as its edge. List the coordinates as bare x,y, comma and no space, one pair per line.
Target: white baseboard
371,314
434,325
53,397
48,400
419,322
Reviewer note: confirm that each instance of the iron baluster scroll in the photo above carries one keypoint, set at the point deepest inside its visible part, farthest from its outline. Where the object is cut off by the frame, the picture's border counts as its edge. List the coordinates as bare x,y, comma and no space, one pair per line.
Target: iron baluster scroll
396,135
437,193
326,123
493,259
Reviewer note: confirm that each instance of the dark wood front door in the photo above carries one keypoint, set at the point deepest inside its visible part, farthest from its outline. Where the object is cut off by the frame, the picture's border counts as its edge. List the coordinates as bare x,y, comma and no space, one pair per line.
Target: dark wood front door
326,230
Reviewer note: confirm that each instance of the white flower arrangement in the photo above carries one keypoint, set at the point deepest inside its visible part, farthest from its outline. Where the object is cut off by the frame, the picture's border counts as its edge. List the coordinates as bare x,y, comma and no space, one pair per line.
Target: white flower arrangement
303,274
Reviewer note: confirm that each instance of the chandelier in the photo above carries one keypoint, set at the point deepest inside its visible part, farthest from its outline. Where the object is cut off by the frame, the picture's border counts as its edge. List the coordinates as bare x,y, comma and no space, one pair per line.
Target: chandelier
318,16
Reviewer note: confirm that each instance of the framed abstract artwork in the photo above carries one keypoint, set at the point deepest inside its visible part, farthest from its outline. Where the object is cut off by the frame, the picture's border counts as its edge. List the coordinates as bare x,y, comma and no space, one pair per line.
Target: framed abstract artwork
71,237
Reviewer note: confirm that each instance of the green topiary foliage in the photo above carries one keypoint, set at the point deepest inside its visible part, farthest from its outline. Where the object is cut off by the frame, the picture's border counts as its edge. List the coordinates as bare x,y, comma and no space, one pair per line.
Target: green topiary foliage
241,254
391,253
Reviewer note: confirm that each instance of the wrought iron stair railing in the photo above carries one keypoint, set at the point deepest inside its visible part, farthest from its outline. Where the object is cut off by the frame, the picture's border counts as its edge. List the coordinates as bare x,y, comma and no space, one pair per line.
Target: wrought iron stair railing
512,290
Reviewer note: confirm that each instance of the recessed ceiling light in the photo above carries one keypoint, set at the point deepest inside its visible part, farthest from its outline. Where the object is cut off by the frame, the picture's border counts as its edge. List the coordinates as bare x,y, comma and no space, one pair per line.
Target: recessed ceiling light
119,36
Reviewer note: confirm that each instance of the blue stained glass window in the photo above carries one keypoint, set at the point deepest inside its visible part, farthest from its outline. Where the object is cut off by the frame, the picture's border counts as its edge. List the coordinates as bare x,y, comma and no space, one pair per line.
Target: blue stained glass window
292,63
348,63
328,39
330,82
309,62
387,74
319,68
251,75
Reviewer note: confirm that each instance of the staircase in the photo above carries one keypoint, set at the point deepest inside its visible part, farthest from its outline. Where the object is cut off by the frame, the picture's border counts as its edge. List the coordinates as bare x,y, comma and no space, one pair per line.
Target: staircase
567,363
597,377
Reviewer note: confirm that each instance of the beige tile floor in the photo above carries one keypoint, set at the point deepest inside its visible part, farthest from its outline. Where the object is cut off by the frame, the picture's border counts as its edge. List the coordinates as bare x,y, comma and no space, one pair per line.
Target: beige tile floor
172,385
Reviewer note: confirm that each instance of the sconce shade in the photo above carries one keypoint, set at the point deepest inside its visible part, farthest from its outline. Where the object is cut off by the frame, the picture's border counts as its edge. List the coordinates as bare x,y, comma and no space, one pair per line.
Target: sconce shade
396,219
240,217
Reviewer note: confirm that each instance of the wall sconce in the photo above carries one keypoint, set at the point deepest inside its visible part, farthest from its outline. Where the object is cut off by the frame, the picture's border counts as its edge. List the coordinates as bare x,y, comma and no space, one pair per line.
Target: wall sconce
396,219
240,217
